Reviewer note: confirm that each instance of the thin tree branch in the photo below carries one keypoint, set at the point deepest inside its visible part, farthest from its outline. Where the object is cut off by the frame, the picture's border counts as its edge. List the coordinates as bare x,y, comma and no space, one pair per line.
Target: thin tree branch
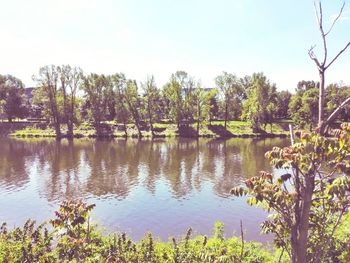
242,242
336,19
323,35
316,12
335,58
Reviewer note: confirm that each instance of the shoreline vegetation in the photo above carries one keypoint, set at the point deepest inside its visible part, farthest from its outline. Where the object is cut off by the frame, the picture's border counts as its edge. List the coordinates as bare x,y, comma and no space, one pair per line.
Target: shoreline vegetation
71,237
239,129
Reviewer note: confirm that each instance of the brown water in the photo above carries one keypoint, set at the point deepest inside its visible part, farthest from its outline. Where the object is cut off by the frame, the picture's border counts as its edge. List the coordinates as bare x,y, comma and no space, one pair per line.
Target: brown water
164,186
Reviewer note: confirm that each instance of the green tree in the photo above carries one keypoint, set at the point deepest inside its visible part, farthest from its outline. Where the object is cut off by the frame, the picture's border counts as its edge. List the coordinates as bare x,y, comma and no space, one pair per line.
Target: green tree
178,93
214,107
133,102
70,81
96,88
335,95
303,107
232,93
122,110
259,107
308,202
282,101
151,101
12,99
48,91
202,104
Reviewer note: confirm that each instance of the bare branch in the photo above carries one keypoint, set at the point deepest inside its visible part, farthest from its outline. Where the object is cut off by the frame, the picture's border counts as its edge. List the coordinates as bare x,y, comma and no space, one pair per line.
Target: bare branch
316,12
323,35
336,19
313,57
321,14
335,58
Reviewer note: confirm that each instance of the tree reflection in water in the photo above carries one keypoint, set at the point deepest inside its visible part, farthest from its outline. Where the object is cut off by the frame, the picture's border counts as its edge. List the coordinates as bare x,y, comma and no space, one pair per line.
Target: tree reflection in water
179,169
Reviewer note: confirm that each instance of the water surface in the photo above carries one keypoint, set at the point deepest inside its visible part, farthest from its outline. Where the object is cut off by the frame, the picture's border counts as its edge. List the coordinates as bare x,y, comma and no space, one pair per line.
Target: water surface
162,186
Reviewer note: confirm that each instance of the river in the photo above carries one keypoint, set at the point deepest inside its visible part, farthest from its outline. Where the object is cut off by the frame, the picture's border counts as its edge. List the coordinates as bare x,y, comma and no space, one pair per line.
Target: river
164,186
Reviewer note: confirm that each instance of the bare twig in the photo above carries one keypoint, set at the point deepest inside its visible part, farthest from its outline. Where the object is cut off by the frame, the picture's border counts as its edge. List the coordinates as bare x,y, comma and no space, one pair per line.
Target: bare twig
280,257
313,57
336,19
320,24
242,242
316,12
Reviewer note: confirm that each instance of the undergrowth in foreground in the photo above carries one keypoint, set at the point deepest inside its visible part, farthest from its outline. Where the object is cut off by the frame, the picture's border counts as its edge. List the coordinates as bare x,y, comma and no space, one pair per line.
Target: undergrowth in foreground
72,238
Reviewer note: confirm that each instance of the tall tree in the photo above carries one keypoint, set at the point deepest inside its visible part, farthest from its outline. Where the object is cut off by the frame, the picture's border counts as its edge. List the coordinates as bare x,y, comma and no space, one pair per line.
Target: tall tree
214,107
133,101
48,87
96,88
231,91
303,107
322,66
179,95
259,107
70,80
12,97
151,101
282,101
122,110
76,81
202,104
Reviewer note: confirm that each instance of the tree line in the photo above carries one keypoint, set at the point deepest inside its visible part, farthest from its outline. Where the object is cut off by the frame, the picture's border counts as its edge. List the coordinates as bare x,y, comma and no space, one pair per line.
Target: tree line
66,96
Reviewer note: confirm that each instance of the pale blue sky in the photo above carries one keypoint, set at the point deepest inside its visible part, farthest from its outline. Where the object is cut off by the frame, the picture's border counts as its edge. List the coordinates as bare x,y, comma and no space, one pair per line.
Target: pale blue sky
202,37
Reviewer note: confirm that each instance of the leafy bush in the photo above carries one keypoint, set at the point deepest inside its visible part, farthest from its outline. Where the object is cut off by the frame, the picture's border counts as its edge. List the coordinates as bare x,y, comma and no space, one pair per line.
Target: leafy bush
307,205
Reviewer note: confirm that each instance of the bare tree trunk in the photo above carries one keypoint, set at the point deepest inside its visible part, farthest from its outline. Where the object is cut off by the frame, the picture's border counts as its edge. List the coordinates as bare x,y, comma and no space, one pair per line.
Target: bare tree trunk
152,129
321,101
65,106
125,129
56,117
226,112
57,130
70,120
97,125
198,118
138,130
322,65
303,228
150,119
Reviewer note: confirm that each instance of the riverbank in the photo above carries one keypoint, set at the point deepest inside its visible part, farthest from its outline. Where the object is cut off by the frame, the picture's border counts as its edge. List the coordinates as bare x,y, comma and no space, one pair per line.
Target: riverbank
214,130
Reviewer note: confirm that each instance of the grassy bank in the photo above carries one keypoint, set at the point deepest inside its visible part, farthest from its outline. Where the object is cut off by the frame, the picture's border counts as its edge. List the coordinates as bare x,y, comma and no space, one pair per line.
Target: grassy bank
216,129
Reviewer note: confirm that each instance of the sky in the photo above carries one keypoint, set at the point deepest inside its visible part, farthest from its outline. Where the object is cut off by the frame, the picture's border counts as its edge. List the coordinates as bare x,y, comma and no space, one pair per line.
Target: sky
159,37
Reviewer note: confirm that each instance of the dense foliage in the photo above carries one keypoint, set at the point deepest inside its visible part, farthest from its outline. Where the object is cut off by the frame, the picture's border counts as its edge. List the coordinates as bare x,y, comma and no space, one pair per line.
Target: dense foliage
66,97
12,98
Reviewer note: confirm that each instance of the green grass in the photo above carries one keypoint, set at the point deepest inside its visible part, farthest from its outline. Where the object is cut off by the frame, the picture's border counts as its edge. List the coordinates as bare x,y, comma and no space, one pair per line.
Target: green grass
237,128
